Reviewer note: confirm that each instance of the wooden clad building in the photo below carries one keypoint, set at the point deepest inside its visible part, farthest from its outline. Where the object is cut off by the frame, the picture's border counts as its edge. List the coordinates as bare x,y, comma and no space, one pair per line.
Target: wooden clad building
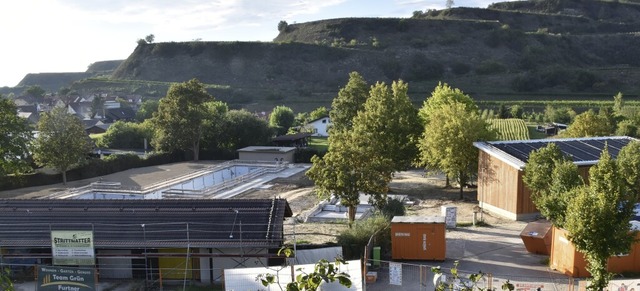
418,238
501,164
566,259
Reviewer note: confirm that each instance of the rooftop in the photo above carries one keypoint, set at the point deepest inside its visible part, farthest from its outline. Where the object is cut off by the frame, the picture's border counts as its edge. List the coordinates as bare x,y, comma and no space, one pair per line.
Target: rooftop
150,223
583,151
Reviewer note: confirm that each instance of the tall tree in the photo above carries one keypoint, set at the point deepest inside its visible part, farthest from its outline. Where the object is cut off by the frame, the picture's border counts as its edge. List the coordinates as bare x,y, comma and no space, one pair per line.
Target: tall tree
15,136
348,169
147,109
180,121
281,118
443,95
551,195
598,218
62,141
350,100
588,124
447,141
36,92
214,124
241,129
389,124
318,113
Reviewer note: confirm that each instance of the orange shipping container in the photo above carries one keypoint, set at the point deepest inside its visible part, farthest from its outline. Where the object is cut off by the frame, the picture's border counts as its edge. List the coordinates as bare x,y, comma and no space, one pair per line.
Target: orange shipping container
418,238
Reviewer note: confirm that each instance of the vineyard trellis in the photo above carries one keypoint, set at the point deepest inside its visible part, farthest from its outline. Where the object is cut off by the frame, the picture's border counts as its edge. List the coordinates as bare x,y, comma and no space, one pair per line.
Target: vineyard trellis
509,129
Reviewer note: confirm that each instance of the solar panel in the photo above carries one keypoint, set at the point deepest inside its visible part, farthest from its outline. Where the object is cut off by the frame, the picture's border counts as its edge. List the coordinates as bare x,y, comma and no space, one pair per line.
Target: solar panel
578,149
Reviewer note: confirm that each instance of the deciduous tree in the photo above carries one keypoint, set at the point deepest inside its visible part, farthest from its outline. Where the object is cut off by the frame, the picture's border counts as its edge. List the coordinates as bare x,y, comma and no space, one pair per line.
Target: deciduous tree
281,118
147,109
589,124
241,129
348,169
126,135
442,96
598,218
62,141
36,92
15,136
389,125
180,121
350,100
447,141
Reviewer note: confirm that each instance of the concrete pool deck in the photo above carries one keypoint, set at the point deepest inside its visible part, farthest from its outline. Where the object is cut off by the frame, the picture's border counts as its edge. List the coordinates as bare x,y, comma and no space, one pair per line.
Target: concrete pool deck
140,178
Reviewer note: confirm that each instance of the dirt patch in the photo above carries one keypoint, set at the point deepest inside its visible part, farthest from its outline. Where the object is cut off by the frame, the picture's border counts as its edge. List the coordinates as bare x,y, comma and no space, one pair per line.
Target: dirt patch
427,193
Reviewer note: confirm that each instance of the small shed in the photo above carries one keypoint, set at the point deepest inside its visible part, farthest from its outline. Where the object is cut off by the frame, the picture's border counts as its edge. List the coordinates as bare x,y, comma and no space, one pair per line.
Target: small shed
418,238
536,237
266,153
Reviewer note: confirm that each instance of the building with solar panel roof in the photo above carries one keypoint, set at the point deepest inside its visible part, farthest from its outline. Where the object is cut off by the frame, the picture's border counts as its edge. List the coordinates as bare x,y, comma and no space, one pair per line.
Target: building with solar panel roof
501,164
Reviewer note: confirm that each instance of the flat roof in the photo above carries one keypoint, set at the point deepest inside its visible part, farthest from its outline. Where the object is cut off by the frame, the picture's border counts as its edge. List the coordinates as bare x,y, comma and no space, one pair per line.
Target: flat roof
267,149
418,219
583,151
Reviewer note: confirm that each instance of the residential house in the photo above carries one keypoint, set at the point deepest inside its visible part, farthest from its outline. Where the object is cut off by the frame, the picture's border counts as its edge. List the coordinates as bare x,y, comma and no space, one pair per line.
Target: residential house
318,127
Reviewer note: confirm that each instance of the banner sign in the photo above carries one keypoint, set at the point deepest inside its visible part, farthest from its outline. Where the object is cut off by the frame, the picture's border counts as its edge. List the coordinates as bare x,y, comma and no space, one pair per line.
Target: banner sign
69,247
65,278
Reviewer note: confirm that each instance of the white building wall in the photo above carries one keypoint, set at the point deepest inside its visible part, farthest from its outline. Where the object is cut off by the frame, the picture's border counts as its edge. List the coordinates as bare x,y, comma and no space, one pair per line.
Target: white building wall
320,126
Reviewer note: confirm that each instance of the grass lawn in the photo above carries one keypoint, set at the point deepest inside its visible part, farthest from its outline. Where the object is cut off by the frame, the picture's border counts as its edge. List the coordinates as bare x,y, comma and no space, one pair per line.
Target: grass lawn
319,143
533,133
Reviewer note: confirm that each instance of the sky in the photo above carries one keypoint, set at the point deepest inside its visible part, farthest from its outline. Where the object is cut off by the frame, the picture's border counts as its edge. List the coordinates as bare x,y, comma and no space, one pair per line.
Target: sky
40,36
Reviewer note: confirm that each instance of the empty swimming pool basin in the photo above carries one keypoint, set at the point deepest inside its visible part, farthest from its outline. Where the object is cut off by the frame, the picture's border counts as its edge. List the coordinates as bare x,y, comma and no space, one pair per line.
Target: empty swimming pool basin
207,183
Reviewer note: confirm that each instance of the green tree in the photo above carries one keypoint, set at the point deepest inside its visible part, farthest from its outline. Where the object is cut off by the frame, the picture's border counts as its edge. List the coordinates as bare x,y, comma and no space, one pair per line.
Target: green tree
318,113
551,195
598,218
627,128
214,124
150,38
126,135
443,95
349,169
389,125
629,166
350,100
36,92
241,129
618,104
502,112
516,111
281,118
147,109
589,124
179,121
447,141
62,141
15,136
282,26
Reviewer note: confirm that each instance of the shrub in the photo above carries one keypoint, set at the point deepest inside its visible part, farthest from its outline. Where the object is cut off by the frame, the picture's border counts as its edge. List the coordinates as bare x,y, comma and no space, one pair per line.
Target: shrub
490,67
354,239
393,207
304,155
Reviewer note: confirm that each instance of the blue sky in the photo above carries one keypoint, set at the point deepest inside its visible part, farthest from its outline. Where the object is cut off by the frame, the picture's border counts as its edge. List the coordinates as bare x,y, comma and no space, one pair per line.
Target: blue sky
67,35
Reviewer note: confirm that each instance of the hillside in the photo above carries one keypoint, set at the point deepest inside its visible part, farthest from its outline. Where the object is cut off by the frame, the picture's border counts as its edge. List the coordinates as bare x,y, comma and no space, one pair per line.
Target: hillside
52,82
538,49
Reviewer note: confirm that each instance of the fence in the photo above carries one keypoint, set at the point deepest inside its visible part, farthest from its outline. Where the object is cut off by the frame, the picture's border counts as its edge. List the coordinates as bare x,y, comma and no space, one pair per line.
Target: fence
382,275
